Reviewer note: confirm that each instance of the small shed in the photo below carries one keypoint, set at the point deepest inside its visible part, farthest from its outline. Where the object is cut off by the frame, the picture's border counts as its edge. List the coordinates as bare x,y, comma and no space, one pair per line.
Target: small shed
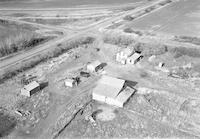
70,83
94,66
30,89
134,58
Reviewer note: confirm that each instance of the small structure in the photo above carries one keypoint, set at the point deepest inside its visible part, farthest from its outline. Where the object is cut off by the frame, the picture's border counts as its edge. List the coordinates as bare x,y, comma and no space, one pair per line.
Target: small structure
161,64
30,89
134,58
70,83
94,66
110,90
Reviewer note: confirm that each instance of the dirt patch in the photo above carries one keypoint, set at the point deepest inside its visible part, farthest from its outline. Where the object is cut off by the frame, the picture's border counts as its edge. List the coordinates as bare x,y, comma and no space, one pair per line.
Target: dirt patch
107,114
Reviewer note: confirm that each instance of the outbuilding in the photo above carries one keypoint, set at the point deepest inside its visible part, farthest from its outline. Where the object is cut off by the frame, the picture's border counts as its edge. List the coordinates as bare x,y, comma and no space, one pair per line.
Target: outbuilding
134,58
30,89
70,83
94,66
110,90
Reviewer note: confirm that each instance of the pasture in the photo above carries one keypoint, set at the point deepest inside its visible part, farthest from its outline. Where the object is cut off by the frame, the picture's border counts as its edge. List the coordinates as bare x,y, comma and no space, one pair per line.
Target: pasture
180,18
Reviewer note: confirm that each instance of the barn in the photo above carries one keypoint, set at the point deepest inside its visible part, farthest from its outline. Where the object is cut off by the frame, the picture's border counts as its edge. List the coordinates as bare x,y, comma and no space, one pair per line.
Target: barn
30,89
110,90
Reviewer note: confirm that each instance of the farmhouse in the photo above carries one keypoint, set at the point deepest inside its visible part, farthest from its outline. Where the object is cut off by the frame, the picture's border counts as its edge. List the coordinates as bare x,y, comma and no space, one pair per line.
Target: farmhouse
123,55
127,56
94,66
110,90
30,89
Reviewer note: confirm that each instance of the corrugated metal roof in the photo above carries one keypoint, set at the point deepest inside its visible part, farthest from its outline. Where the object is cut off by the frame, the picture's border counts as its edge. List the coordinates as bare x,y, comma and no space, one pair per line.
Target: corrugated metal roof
109,86
31,86
125,94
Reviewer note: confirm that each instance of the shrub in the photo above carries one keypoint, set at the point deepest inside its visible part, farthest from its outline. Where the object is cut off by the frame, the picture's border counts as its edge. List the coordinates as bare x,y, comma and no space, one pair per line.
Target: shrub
118,40
188,39
181,51
130,30
19,41
128,18
44,57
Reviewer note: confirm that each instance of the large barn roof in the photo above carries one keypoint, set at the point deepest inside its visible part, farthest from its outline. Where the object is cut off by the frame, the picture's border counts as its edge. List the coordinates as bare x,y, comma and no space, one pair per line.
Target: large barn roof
109,86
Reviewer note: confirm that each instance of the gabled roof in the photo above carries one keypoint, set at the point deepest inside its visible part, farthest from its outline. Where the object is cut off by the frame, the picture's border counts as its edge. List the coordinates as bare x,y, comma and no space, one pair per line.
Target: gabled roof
125,94
109,86
135,56
95,63
31,86
128,51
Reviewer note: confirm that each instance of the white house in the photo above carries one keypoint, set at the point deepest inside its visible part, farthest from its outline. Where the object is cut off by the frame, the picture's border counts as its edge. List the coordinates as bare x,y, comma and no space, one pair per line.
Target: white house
94,66
123,55
30,89
127,56
70,83
109,90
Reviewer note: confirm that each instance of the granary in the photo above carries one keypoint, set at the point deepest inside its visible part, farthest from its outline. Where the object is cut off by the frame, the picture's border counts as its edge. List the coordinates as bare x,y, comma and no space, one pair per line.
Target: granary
134,58
94,66
110,90
70,83
30,89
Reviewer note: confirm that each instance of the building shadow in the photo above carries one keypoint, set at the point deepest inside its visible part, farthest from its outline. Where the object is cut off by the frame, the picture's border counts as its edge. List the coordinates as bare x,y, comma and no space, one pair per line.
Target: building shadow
43,85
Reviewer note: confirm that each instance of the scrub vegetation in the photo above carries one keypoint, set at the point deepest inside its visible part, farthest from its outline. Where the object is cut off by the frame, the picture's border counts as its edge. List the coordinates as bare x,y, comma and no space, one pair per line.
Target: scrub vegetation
62,48
18,41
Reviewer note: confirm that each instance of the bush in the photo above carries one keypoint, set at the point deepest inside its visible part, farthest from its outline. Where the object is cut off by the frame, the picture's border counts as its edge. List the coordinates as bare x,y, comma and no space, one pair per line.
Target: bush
19,41
149,49
130,30
188,39
181,51
154,49
44,57
128,18
118,40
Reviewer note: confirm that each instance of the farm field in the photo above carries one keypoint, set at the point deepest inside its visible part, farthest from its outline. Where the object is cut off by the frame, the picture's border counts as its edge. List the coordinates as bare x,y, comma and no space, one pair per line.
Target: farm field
180,18
62,3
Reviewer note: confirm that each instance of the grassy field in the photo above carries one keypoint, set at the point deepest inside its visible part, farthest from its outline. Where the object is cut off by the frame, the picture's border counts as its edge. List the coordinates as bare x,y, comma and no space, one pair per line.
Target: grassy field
180,18
16,39
62,3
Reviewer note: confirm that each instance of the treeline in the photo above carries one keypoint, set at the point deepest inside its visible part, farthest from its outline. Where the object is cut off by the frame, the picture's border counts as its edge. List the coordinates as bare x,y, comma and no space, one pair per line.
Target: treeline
62,48
20,40
144,48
